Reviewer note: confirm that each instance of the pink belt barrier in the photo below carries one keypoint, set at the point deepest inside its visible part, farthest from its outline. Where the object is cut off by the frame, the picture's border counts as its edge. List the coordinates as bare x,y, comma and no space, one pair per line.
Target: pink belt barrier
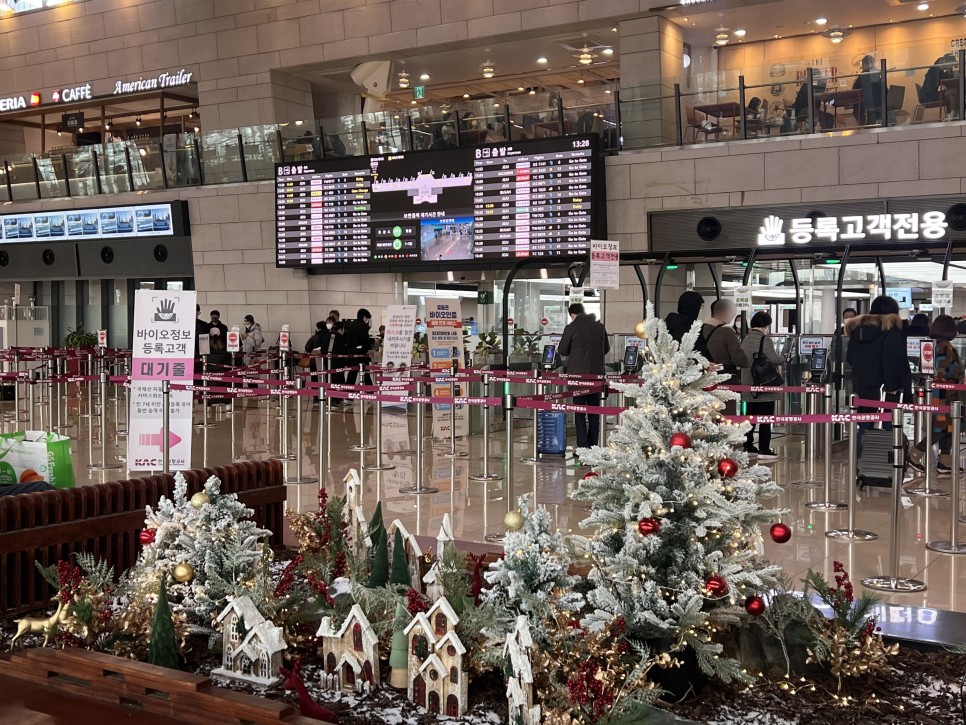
769,388
812,418
889,405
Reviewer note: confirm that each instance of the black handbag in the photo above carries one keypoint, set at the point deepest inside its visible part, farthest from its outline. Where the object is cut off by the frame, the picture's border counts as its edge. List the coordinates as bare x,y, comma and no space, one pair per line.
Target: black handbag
763,370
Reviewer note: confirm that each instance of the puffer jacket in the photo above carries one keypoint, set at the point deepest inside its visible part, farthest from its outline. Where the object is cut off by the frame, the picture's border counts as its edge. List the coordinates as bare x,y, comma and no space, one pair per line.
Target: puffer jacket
877,354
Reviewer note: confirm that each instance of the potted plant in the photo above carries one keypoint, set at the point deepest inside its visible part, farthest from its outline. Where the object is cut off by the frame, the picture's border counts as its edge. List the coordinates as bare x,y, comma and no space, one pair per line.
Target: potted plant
78,339
420,347
488,346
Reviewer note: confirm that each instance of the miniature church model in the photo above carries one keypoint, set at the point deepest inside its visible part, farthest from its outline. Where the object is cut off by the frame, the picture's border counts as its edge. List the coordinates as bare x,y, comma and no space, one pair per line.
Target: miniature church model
519,686
434,587
351,653
358,525
414,553
251,645
437,679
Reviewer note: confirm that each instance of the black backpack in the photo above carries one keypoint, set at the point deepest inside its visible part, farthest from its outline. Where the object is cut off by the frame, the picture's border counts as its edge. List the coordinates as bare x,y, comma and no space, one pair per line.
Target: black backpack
763,370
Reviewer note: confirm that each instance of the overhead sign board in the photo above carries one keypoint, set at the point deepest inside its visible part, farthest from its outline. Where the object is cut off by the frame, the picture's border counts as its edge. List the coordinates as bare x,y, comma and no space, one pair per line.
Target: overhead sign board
154,83
776,231
149,220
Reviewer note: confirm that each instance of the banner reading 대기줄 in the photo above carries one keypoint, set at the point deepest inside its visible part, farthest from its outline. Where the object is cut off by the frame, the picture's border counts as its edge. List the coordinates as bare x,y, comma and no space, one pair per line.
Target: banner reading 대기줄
444,339
163,349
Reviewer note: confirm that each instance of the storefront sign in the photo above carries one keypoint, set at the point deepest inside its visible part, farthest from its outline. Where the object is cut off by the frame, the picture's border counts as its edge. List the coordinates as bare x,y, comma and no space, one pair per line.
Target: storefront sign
164,341
69,95
72,121
942,294
12,103
605,271
444,336
900,226
164,80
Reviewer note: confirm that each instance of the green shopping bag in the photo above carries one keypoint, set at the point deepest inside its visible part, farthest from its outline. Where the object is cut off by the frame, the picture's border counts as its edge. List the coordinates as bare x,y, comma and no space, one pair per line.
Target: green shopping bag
33,455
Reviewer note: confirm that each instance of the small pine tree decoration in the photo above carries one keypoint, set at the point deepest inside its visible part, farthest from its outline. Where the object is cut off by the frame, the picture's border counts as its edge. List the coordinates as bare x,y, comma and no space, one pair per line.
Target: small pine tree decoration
376,526
677,543
163,649
379,576
399,655
400,565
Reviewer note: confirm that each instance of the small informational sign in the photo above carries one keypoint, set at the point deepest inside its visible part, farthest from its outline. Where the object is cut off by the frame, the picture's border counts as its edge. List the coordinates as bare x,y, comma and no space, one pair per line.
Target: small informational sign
16,294
163,347
419,92
942,294
927,356
232,343
743,299
605,269
204,344
509,322
484,297
283,338
419,321
544,322
913,348
72,122
576,295
102,338
808,343
397,346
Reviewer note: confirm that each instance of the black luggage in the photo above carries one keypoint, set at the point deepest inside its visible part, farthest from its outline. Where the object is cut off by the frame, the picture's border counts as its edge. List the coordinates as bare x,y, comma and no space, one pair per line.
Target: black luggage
876,462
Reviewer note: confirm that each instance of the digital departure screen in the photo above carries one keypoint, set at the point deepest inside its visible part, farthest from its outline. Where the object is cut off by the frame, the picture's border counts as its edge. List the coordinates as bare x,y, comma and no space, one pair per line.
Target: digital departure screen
455,207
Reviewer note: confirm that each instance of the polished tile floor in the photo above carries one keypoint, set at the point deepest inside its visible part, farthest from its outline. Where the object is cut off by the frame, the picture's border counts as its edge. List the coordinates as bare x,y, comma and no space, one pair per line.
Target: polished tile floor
477,508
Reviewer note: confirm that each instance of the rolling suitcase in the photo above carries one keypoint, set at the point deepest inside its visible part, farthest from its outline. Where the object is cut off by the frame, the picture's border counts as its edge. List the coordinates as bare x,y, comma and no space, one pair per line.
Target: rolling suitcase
874,467
551,432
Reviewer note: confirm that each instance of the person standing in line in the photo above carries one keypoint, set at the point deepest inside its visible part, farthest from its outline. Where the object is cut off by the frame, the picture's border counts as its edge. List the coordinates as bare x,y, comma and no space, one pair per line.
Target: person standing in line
689,309
584,343
359,343
336,346
201,328
251,338
757,342
334,314
723,345
948,369
216,322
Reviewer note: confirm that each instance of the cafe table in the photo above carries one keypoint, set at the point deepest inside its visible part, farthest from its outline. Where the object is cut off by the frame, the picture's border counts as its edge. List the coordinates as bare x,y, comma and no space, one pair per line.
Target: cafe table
832,101
727,109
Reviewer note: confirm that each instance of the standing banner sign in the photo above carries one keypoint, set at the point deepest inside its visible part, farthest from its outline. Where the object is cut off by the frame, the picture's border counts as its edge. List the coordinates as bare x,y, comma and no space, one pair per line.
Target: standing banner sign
605,269
927,357
163,349
233,344
102,338
444,333
397,344
283,338
942,294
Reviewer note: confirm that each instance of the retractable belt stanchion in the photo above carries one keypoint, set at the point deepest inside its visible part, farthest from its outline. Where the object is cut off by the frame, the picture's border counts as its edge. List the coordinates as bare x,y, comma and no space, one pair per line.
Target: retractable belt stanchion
16,390
485,475
811,441
204,424
362,445
31,403
285,454
928,488
50,386
299,477
418,487
61,395
952,545
282,377
452,452
126,384
166,425
852,533
509,403
892,582
918,395
379,464
827,504
103,465
534,457
322,427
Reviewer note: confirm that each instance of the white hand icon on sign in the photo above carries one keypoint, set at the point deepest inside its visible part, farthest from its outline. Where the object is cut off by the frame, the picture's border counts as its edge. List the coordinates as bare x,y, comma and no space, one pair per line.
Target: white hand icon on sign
770,233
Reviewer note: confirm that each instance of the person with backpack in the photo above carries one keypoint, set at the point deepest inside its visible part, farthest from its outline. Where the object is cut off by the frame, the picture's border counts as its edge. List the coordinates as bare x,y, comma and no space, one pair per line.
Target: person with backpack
689,308
765,360
723,346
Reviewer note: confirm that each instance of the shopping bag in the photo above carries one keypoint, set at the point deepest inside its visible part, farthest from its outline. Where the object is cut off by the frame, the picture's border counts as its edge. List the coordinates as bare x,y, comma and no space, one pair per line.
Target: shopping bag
27,457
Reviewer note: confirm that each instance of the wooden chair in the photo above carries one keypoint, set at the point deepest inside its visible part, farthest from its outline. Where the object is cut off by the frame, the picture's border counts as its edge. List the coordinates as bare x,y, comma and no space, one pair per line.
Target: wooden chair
695,128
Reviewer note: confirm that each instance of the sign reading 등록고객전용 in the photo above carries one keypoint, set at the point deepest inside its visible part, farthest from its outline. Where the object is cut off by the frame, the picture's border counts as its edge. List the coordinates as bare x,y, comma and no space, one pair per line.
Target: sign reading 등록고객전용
163,349
897,226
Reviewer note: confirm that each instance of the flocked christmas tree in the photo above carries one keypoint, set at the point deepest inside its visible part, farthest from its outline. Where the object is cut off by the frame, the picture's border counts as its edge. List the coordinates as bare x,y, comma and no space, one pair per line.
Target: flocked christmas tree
677,543
163,650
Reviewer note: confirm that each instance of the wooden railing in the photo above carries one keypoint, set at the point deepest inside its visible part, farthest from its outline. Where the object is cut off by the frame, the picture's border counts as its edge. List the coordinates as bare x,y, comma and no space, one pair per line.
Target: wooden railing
105,520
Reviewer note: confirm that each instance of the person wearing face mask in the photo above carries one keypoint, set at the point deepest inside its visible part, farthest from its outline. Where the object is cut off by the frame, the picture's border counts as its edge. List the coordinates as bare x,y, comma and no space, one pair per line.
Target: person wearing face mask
217,323
319,342
584,343
359,343
251,337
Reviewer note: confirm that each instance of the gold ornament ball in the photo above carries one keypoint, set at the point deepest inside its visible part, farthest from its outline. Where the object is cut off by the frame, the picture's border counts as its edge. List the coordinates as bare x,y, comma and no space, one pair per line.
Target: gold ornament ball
640,331
513,521
184,572
199,500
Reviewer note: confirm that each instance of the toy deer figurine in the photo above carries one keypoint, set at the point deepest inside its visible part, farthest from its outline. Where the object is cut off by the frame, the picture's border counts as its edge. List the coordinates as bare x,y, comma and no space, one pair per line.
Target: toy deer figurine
307,706
35,625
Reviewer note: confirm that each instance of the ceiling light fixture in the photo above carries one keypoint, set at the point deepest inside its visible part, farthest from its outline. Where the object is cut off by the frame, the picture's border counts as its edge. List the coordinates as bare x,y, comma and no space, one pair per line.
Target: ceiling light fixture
424,77
487,69
837,34
922,6
580,81
107,125
59,131
741,32
533,91
466,95
197,130
607,51
520,89
137,121
821,21
541,60
403,79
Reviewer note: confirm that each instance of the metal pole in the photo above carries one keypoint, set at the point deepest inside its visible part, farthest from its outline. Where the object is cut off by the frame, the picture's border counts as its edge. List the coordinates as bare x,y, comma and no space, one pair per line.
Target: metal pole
828,504
284,453
126,384
419,488
453,453
103,465
811,440
31,384
16,390
893,582
509,402
928,489
379,465
166,425
204,424
362,445
61,395
952,545
486,475
851,533
299,478
322,466
534,457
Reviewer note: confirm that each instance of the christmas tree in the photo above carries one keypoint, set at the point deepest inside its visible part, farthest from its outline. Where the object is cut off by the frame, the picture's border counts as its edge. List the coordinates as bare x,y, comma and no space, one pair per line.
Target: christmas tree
677,542
399,655
400,564
379,576
163,650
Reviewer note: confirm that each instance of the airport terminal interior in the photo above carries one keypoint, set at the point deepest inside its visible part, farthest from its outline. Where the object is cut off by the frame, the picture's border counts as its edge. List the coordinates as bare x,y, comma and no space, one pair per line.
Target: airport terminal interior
482,361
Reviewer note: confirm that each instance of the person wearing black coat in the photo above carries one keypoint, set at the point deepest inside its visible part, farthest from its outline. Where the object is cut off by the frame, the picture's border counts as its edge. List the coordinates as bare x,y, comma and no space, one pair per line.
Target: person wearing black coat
689,309
319,341
585,344
359,343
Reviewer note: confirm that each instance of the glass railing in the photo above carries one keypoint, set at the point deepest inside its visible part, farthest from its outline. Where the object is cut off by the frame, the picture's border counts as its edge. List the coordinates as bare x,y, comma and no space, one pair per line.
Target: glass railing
250,153
790,99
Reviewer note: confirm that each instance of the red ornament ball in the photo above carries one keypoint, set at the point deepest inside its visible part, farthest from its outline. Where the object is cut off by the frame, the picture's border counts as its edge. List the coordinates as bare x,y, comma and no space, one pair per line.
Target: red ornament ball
755,605
681,439
589,474
147,536
649,526
780,533
728,467
716,586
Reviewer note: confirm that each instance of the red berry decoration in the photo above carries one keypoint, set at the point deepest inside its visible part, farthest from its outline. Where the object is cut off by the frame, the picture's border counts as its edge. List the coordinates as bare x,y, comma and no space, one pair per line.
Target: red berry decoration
589,474
780,533
147,536
716,586
755,605
681,439
649,526
728,467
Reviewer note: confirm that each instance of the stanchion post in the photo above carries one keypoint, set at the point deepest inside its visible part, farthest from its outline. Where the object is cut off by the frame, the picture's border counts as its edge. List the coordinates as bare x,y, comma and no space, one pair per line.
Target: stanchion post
534,457
928,489
485,475
453,453
892,582
362,445
419,488
16,390
509,403
166,425
103,465
952,545
379,465
322,419
811,440
31,384
828,504
126,385
298,477
851,533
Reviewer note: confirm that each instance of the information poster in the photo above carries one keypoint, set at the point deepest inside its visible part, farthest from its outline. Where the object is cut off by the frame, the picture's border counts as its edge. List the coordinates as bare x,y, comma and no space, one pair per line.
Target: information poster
444,333
743,299
605,270
163,349
942,294
397,344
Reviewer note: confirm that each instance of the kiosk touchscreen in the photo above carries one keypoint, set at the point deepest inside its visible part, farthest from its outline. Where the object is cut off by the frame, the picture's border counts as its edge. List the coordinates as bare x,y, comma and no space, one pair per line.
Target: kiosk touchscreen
549,359
816,363
632,357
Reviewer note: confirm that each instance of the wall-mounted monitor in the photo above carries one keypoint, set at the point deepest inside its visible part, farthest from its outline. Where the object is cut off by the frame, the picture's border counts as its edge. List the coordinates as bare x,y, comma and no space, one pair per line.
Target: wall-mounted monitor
462,207
80,225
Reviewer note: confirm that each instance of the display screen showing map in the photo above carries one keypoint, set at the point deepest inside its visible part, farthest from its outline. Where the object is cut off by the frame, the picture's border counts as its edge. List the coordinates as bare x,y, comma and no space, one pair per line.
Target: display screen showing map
460,206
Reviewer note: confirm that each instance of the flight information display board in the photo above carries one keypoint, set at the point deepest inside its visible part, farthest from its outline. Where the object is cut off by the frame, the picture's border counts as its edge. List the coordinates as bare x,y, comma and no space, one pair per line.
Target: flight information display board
454,207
